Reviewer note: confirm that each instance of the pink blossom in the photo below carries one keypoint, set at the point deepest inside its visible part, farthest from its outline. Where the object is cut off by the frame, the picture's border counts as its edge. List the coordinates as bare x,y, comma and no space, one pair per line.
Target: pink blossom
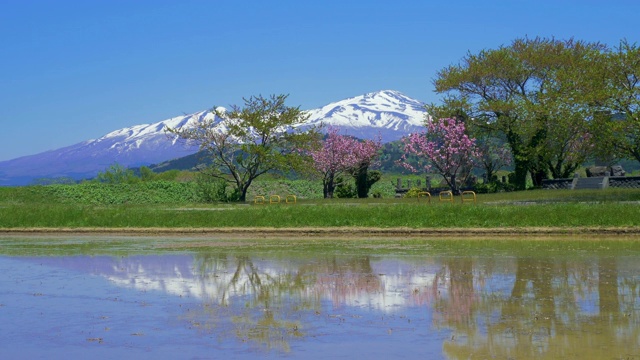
340,154
445,148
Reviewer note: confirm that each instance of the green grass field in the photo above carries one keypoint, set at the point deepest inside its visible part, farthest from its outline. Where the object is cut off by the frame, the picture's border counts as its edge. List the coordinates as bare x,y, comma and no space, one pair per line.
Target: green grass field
170,205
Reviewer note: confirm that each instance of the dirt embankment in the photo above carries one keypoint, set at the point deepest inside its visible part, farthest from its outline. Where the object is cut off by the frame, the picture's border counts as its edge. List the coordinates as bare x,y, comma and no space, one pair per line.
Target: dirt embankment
331,232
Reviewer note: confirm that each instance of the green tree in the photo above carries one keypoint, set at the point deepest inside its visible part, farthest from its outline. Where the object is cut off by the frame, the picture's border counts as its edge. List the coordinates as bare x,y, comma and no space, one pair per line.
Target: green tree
147,174
535,93
246,142
170,175
617,125
117,174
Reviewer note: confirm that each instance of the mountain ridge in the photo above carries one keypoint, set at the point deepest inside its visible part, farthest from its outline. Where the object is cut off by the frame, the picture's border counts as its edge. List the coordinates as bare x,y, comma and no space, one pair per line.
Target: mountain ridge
387,113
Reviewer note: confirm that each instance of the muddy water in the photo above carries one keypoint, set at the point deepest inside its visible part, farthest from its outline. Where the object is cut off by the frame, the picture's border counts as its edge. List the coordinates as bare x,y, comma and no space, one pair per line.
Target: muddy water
454,299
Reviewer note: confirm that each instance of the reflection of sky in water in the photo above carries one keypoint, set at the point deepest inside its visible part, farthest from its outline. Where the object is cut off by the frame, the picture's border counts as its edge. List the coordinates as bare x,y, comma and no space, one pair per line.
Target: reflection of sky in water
393,288
329,306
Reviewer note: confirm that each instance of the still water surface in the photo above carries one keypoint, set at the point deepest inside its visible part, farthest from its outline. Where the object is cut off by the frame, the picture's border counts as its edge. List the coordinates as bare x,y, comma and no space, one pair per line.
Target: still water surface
423,299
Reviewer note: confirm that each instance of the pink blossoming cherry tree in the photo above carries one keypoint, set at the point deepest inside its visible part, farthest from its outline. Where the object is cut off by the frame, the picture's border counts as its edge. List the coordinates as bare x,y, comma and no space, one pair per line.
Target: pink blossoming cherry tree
445,148
341,155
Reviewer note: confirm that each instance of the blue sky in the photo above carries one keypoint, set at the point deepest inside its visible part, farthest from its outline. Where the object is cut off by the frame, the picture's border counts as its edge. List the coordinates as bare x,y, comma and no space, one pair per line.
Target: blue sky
76,70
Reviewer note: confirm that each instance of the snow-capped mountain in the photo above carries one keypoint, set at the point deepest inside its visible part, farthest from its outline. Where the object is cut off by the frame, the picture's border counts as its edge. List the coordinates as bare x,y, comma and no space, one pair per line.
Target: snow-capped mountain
388,113
135,146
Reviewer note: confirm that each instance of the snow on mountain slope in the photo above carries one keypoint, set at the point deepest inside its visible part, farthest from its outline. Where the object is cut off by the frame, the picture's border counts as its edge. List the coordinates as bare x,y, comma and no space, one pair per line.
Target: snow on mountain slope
135,146
388,114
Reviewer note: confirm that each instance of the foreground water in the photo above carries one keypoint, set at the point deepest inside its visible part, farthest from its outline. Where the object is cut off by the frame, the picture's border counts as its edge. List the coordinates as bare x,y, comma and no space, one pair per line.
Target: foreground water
158,298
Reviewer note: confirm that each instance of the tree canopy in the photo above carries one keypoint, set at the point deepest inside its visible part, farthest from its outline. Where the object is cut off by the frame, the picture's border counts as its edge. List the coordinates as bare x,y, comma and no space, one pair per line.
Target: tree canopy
538,94
246,142
445,147
339,155
617,124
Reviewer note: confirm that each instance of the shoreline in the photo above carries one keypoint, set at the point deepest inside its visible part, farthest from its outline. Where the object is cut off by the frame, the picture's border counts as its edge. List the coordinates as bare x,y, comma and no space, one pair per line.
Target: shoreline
325,232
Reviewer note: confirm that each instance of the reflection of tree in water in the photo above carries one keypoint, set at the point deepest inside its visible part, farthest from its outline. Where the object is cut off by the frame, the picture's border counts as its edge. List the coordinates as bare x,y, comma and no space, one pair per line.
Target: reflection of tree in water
457,306
343,279
265,306
546,314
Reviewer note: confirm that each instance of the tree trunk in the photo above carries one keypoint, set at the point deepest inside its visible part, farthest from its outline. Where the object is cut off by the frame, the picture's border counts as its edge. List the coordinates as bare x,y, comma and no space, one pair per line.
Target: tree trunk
520,160
243,195
242,189
537,176
489,174
454,185
521,170
361,181
329,186
636,153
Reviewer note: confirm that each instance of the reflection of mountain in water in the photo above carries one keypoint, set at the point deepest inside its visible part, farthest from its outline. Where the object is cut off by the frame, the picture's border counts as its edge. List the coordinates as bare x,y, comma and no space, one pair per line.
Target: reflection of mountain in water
378,284
545,306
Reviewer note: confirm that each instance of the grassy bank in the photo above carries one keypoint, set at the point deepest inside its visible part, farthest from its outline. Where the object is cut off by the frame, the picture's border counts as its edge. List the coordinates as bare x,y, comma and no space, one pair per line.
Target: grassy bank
27,208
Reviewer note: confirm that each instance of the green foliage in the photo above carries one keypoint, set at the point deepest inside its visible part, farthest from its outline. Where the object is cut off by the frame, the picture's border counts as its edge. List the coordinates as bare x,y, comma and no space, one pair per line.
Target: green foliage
52,181
413,192
537,94
170,175
260,137
616,126
346,189
303,189
493,187
385,188
26,195
147,174
391,153
117,174
152,192
212,189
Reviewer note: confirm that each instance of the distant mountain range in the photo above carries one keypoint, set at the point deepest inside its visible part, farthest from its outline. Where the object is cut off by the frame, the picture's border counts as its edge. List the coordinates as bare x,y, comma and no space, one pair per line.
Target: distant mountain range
389,114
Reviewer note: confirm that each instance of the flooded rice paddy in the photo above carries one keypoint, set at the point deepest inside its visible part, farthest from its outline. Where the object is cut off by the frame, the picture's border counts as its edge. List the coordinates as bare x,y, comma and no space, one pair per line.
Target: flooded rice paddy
110,297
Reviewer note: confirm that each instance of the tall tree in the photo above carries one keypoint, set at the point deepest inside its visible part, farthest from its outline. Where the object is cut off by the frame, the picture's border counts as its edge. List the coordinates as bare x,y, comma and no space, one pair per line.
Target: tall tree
617,126
249,141
521,92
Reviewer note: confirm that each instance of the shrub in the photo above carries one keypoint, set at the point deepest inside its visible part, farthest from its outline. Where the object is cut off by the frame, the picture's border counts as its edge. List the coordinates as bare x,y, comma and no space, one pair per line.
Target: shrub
413,192
151,192
117,174
493,187
345,189
210,189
